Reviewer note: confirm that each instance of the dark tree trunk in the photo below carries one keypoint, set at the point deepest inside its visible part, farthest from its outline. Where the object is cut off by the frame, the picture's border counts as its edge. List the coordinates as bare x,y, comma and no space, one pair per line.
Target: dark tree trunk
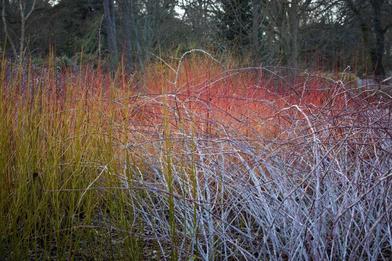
256,22
127,16
111,31
378,52
293,26
373,35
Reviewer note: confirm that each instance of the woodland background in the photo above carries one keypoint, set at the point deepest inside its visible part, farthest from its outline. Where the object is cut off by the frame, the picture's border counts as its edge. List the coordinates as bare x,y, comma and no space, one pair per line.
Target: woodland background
321,34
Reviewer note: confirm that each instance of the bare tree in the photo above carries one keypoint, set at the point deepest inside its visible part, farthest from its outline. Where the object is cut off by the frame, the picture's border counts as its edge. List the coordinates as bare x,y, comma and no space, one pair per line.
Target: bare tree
25,8
374,18
284,20
25,13
5,27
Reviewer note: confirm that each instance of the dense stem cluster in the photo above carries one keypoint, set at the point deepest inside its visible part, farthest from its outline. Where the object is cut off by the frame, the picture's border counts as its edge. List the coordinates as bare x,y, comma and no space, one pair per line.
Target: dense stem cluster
213,164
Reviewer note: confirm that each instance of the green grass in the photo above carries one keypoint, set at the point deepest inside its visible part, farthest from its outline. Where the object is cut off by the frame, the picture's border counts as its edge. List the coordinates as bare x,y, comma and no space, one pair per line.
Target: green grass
54,159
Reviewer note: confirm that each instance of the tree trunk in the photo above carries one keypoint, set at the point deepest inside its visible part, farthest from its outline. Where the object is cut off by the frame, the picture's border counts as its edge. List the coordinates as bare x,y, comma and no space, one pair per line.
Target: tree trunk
256,22
373,35
293,25
5,28
22,32
111,31
126,8
378,52
23,20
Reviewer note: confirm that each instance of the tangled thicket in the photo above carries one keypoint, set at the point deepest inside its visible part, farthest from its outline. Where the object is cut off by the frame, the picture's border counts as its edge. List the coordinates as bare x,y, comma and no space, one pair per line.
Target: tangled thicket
222,164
